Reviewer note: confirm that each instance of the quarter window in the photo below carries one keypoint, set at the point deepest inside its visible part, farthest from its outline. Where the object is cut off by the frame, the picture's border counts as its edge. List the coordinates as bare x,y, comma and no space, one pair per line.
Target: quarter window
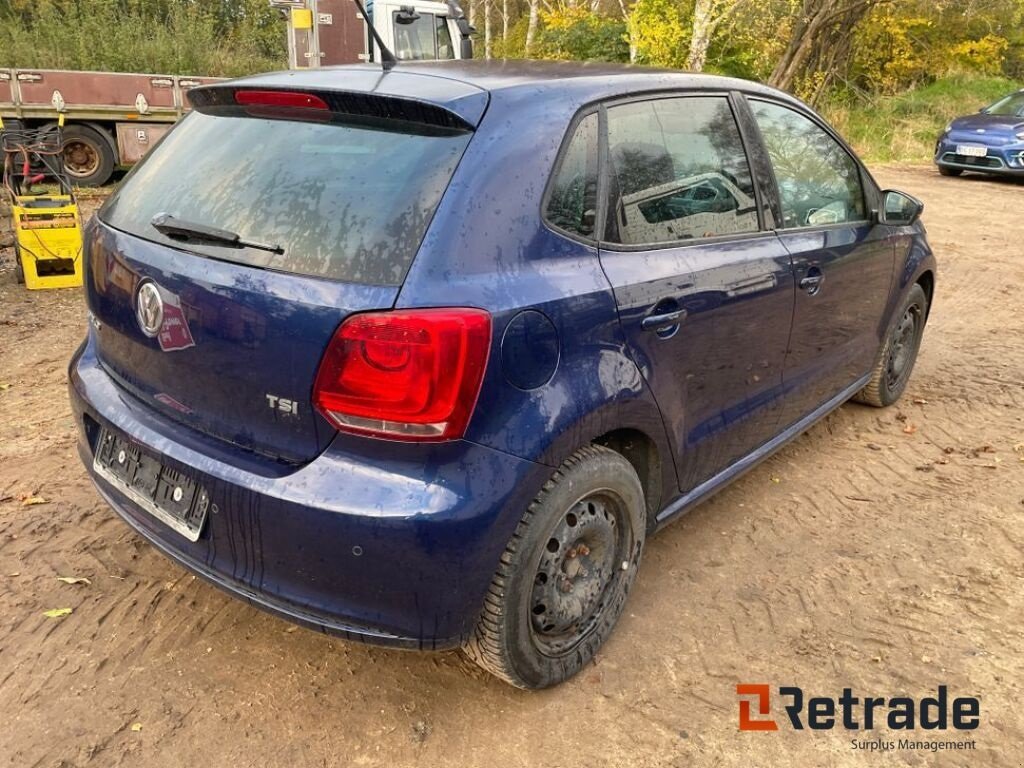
572,201
819,183
679,172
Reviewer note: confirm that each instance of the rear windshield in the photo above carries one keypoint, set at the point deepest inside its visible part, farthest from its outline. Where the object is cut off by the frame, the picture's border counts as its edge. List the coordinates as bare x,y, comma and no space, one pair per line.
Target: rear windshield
347,200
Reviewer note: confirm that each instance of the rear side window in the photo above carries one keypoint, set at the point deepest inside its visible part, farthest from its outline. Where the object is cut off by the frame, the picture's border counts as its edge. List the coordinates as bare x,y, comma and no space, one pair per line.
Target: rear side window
819,183
349,199
572,200
679,172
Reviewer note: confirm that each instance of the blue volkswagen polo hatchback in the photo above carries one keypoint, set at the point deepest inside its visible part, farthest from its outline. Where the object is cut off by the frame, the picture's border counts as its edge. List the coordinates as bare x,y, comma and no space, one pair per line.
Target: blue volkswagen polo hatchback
422,358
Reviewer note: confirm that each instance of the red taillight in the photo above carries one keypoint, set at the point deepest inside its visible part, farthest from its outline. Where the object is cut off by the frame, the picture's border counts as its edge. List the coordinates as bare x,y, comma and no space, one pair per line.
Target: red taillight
286,99
406,375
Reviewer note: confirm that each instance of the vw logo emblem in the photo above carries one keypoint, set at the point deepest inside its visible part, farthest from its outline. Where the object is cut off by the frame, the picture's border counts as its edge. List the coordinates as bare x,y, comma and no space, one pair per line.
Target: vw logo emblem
149,308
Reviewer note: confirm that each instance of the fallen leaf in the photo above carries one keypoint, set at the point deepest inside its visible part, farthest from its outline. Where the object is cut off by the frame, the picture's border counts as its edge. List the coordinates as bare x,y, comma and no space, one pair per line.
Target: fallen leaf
31,501
4,386
776,480
13,575
74,580
920,401
57,613
136,727
909,429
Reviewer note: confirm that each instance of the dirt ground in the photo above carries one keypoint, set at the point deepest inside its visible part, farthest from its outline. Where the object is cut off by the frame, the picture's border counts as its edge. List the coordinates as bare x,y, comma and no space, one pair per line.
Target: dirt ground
883,551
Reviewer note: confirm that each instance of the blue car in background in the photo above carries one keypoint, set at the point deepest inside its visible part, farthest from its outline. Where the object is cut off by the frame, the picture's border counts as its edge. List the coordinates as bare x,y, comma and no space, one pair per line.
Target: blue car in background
421,358
992,141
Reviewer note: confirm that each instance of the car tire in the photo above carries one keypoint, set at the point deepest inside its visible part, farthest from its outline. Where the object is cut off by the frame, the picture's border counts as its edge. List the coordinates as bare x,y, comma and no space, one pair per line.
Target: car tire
899,352
565,575
19,268
89,159
950,171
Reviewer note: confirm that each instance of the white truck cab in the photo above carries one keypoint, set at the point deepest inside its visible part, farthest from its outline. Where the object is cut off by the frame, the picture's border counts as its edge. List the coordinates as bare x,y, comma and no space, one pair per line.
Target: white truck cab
328,32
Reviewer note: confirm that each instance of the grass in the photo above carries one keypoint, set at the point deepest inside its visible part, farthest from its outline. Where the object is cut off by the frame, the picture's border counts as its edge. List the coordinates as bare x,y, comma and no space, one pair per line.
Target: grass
903,128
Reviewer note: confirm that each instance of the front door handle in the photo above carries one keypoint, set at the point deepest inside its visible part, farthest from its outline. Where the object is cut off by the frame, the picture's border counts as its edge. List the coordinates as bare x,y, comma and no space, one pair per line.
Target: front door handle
664,321
812,282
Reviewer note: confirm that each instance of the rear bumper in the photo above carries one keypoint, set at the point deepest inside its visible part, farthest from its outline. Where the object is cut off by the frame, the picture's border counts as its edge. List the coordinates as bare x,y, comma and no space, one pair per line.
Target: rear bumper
395,545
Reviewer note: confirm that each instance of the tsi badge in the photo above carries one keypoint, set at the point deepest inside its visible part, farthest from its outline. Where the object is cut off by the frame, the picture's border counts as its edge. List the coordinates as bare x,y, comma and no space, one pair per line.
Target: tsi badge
283,405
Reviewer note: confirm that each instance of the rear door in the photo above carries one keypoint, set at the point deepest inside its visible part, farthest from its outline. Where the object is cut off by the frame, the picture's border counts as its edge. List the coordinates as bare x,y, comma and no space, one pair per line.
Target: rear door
227,340
704,288
843,262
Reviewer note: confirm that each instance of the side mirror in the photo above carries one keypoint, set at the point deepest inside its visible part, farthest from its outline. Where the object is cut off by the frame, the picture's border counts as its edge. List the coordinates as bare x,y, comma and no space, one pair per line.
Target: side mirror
406,15
900,209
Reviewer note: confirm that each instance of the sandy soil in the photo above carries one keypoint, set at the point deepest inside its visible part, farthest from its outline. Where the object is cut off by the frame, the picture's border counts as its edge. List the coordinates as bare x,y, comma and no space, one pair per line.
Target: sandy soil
882,550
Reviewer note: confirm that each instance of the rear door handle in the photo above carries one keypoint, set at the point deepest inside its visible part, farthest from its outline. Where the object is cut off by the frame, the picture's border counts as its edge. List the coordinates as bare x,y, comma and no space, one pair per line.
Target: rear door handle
812,282
663,322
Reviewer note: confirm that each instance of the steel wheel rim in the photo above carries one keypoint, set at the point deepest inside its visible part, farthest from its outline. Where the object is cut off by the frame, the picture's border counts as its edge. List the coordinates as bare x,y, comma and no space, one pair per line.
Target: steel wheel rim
580,563
80,158
901,348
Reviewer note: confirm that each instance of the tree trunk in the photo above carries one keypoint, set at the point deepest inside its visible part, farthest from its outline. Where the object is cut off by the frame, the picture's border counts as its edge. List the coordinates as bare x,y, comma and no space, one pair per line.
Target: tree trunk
700,38
531,27
820,40
487,30
504,25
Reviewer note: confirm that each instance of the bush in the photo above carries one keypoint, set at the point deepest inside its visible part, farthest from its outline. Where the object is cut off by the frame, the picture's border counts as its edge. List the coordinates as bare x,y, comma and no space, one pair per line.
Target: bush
576,33
904,128
216,37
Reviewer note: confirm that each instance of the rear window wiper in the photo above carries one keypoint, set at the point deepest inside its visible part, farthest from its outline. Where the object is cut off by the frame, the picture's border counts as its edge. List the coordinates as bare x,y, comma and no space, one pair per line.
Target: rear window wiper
180,229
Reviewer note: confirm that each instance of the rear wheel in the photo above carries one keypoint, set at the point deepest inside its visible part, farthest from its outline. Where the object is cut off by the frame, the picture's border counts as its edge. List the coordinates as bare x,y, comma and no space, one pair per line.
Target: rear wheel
564,577
896,362
88,157
949,171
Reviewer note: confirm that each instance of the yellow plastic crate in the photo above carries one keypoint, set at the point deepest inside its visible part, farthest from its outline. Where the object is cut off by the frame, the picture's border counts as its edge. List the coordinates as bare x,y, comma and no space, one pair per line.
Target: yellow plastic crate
48,240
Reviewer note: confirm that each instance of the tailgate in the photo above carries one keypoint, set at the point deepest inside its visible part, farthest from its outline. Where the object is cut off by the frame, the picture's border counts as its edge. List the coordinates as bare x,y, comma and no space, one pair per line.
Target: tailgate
237,350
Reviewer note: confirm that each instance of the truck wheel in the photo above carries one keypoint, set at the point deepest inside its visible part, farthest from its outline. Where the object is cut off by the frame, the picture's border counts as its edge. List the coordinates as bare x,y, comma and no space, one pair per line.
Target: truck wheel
19,268
564,577
88,157
896,361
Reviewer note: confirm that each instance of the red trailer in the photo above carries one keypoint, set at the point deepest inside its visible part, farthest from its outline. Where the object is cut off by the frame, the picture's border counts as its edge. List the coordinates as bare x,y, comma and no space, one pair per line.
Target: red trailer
111,118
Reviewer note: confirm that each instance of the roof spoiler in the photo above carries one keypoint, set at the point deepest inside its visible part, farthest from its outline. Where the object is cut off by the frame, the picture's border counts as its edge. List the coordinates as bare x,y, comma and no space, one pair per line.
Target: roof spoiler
225,96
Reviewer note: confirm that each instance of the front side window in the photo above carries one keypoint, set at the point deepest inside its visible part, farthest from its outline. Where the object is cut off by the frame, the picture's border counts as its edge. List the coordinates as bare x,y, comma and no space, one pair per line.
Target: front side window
572,201
415,40
679,172
819,183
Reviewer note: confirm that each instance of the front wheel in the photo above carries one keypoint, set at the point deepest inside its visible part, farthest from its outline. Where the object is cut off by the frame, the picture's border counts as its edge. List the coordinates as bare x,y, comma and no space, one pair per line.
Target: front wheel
899,353
564,576
19,268
949,171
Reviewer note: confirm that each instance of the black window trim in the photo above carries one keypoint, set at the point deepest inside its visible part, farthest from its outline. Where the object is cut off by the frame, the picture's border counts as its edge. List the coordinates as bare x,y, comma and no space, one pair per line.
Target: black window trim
869,187
604,182
570,133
